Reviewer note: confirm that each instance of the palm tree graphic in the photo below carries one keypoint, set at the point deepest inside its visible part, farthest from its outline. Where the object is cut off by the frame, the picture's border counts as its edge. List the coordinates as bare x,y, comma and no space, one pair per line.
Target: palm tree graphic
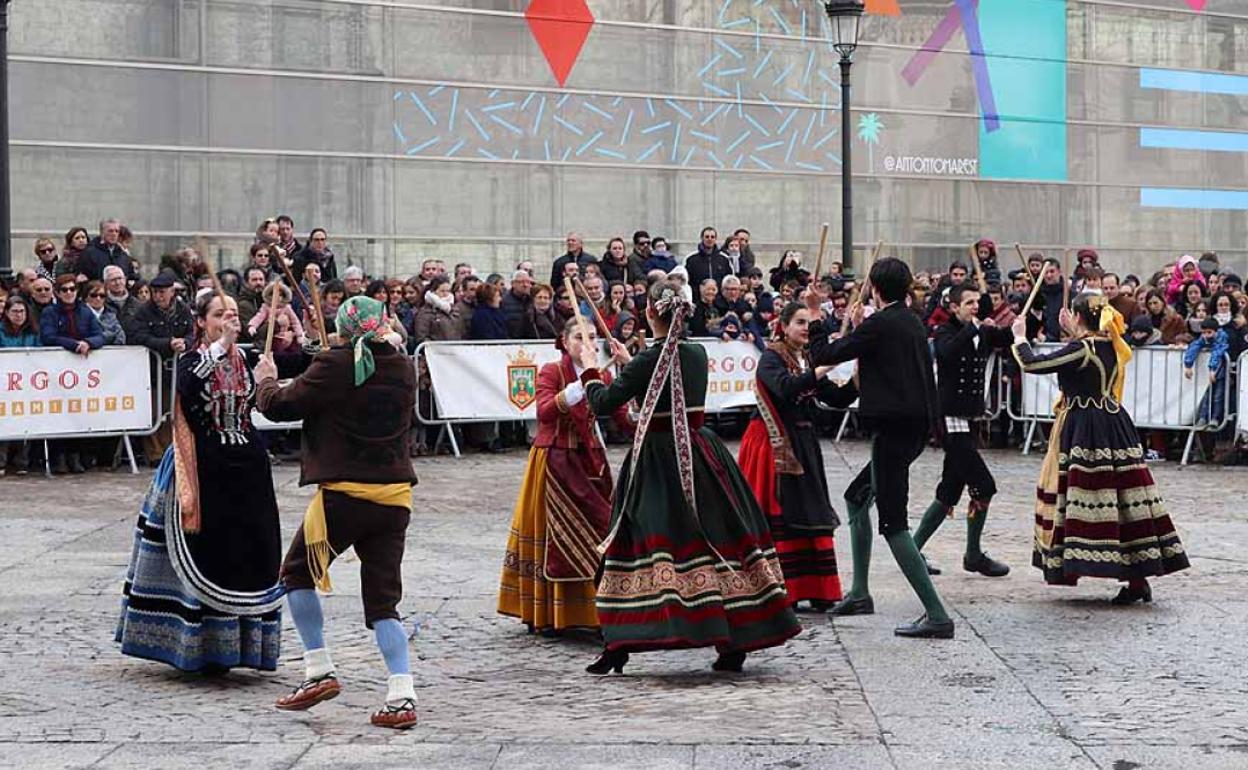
869,127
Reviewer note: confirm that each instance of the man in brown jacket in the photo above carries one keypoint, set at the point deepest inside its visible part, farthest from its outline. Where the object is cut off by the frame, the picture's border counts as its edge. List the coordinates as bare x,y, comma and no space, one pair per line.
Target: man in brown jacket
356,403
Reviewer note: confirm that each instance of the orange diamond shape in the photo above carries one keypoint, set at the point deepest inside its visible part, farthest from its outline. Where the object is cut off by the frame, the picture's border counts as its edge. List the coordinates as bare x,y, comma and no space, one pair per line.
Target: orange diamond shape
560,28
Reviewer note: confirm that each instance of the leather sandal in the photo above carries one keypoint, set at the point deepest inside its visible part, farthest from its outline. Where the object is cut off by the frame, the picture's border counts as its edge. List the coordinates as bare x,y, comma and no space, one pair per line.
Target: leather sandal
310,693
396,716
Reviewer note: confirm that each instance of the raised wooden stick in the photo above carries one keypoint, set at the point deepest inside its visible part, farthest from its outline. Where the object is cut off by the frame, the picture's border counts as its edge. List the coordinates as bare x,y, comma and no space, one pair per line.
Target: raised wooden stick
1036,289
576,309
294,285
317,314
273,300
602,323
1066,278
1021,259
823,245
864,286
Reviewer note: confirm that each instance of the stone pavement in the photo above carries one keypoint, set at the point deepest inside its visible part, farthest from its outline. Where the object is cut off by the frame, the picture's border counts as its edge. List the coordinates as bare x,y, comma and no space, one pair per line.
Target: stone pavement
1037,677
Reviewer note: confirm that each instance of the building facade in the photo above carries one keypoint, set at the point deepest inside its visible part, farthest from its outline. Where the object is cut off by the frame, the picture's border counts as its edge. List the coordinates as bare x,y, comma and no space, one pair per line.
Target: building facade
484,130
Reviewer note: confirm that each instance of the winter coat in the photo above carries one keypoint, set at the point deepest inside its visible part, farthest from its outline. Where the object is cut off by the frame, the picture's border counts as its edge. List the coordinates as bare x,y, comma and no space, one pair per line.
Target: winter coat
55,327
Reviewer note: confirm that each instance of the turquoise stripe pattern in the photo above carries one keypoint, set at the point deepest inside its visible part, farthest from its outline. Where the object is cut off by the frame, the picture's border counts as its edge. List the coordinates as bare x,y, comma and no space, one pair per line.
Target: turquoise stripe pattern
1186,139
1181,198
1195,82
1025,46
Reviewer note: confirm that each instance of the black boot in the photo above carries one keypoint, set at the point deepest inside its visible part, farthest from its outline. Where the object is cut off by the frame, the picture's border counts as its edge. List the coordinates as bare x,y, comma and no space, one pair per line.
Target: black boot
1133,592
729,661
607,662
985,565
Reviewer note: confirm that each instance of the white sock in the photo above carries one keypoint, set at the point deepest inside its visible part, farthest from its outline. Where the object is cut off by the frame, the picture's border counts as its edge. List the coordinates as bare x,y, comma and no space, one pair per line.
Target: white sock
400,687
316,663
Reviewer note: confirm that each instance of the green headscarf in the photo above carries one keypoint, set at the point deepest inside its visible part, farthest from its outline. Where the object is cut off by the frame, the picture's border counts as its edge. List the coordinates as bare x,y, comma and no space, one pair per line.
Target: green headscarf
359,321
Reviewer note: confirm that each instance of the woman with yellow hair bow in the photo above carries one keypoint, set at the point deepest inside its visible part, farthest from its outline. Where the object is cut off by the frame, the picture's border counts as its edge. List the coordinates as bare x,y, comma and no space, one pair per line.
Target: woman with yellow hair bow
1098,512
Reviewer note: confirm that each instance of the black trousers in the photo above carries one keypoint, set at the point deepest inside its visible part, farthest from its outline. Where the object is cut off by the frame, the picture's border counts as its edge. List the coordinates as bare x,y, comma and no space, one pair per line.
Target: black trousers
964,469
886,479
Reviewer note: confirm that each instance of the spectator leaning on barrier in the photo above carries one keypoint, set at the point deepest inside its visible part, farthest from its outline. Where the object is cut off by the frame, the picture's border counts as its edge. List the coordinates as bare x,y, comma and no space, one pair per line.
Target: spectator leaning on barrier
466,302
164,324
1213,341
105,250
16,331
518,306
110,325
71,325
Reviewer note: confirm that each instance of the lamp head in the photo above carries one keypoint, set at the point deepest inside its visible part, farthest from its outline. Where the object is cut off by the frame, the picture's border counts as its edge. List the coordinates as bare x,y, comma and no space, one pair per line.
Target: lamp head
845,16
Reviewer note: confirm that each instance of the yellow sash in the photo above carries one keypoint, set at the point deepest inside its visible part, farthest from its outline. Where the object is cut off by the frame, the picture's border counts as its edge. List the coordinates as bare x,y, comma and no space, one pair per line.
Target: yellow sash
316,532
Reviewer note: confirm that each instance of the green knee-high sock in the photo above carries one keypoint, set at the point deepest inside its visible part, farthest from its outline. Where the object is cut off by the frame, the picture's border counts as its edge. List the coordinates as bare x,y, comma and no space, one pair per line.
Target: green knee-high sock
933,517
860,548
912,566
975,530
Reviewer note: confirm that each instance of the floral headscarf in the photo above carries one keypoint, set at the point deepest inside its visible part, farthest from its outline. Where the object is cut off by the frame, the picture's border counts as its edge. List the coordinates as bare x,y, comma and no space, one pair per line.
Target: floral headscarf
359,321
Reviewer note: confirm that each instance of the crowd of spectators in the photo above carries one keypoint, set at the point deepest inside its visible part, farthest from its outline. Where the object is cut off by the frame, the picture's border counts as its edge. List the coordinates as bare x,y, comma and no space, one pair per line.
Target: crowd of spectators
91,292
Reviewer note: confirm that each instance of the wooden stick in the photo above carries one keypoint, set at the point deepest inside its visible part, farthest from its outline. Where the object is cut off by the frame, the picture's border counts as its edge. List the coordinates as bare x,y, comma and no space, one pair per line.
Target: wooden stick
979,271
1021,259
1034,291
1066,278
316,313
864,286
294,285
602,324
268,337
823,245
576,309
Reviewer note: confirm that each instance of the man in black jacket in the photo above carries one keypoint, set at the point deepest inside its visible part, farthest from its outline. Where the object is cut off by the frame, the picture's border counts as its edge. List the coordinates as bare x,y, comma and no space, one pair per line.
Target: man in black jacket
518,306
708,261
103,251
964,345
576,255
898,402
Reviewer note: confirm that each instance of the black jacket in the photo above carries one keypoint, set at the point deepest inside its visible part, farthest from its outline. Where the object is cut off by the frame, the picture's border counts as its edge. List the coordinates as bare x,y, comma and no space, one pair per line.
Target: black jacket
556,272
703,264
895,375
99,255
152,329
629,272
323,260
519,316
960,365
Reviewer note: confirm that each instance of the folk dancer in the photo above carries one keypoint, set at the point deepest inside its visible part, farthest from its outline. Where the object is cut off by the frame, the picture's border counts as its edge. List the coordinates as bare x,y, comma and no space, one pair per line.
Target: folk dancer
689,560
1098,512
564,508
202,590
964,344
899,403
781,459
356,403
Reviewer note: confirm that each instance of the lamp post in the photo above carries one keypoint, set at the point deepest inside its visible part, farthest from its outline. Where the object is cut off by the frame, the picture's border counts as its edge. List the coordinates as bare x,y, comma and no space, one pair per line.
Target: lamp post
845,16
6,235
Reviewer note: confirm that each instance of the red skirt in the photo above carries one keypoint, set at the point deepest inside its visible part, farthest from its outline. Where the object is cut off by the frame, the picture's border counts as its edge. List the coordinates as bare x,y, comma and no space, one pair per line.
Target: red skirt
808,563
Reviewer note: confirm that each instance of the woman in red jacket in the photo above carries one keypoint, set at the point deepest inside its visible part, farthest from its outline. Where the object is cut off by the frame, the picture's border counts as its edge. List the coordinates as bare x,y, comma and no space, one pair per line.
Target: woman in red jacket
564,507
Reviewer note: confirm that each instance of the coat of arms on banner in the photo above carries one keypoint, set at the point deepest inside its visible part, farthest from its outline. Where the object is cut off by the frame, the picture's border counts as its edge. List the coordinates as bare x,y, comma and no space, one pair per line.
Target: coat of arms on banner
521,379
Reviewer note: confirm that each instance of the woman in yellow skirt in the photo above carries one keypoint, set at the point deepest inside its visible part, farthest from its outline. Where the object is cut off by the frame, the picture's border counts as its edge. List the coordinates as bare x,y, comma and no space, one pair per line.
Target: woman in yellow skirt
564,507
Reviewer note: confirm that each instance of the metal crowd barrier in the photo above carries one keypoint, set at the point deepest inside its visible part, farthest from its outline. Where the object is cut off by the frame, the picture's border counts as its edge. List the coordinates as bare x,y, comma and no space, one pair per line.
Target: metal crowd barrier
1156,395
159,416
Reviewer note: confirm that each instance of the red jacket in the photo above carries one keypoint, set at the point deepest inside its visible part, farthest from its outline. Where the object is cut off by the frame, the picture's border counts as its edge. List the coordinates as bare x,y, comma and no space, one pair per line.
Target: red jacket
559,425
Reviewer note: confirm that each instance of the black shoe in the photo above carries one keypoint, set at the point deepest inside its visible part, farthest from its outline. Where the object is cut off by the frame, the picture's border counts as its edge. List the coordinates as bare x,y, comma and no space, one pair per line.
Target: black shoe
926,628
729,661
820,606
607,662
985,565
853,607
932,569
1129,595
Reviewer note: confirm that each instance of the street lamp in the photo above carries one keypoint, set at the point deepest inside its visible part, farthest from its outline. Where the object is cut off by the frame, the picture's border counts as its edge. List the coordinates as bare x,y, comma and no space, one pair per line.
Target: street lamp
6,256
845,16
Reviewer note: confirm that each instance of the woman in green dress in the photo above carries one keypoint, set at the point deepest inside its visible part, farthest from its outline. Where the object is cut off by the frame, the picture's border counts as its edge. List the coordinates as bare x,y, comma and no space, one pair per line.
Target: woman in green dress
689,559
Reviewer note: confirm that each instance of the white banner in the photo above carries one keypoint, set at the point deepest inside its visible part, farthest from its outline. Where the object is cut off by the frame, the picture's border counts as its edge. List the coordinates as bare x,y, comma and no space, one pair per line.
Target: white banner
498,381
1155,392
52,392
